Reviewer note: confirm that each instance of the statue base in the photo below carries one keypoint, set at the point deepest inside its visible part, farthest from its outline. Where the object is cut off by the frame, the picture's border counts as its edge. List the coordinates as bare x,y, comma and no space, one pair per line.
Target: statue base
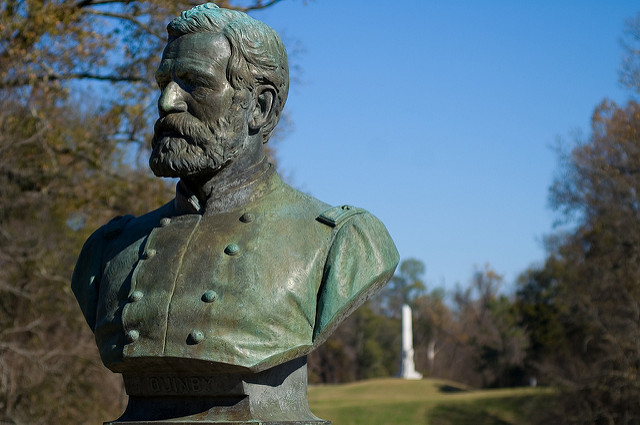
276,396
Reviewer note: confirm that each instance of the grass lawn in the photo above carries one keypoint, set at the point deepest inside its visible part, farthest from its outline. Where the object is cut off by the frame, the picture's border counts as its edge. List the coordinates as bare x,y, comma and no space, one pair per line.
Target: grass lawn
428,401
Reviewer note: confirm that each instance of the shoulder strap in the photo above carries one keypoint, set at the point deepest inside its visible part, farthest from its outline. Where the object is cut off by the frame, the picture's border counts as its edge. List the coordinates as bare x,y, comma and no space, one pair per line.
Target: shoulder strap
337,215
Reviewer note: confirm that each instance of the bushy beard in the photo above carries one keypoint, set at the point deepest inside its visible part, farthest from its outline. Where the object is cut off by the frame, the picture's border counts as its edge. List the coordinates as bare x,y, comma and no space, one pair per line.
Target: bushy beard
183,146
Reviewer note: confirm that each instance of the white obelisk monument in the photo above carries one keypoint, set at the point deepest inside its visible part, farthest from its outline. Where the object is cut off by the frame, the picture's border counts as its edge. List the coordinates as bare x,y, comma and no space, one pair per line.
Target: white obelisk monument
407,367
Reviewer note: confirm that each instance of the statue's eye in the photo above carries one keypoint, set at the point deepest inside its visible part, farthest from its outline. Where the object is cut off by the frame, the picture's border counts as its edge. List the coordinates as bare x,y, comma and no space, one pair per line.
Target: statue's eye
162,80
200,93
186,78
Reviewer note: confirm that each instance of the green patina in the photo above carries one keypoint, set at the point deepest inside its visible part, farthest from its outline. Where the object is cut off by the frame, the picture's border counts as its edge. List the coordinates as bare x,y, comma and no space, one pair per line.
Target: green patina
240,275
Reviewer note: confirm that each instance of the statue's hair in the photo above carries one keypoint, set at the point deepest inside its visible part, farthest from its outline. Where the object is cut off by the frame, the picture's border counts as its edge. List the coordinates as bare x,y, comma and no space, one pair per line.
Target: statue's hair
257,53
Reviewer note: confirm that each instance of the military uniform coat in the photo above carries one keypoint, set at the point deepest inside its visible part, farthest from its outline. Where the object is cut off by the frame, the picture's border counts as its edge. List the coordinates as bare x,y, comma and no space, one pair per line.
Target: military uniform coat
242,290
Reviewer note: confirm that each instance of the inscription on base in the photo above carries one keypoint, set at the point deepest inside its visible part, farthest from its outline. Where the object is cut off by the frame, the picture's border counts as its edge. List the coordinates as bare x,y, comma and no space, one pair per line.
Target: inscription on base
182,385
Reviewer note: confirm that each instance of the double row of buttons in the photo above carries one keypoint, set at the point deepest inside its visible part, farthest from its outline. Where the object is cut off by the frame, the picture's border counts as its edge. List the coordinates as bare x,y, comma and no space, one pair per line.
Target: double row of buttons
209,296
195,336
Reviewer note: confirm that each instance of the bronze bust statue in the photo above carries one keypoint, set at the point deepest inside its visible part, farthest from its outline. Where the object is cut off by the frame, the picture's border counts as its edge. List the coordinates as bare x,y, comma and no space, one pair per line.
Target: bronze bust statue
227,287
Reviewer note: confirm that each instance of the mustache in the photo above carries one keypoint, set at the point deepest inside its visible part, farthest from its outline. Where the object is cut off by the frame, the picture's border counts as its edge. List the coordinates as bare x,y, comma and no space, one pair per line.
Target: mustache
182,125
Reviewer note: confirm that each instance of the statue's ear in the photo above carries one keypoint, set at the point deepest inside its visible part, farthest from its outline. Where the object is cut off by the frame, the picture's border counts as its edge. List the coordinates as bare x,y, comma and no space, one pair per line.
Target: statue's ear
263,107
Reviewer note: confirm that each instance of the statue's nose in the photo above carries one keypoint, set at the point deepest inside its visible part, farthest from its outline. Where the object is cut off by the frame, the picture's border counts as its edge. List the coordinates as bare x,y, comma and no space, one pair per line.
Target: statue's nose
172,99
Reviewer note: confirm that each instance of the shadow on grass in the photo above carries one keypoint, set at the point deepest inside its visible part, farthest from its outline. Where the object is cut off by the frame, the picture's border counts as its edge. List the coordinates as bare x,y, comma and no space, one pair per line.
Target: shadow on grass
498,411
458,415
451,389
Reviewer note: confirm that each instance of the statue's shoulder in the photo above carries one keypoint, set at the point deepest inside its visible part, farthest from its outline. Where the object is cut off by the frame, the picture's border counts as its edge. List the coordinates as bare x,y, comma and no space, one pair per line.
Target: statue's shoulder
145,223
336,216
129,225
100,237
293,203
362,258
311,208
115,226
351,223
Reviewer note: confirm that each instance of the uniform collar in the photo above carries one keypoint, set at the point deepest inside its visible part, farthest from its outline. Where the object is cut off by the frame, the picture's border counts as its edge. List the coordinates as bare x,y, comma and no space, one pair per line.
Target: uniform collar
226,199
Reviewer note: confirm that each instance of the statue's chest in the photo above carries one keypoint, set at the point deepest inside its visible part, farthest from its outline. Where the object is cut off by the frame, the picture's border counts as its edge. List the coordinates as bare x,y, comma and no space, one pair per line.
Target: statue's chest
190,250
192,277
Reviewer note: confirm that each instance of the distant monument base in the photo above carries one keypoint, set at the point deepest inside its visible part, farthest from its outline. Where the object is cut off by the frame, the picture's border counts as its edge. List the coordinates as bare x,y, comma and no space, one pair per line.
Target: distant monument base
410,374
407,368
276,396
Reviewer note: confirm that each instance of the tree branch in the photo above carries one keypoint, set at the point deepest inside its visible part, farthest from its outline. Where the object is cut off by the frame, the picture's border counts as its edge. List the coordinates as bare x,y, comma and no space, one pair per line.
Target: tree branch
19,82
86,3
26,328
126,18
259,5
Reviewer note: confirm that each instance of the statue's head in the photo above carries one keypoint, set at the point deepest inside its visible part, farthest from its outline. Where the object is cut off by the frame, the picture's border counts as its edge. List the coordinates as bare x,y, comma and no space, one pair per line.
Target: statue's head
224,80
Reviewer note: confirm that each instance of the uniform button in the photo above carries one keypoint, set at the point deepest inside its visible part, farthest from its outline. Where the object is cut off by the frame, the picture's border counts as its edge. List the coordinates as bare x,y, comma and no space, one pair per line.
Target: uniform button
165,222
196,337
247,218
132,335
232,249
148,254
136,296
209,296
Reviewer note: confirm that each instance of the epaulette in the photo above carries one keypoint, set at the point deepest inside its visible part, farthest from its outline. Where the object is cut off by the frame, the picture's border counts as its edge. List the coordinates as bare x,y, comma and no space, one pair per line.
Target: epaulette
337,215
114,227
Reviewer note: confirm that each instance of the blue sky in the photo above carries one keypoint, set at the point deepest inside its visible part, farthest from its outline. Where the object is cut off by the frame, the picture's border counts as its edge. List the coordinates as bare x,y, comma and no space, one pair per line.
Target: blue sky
440,117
